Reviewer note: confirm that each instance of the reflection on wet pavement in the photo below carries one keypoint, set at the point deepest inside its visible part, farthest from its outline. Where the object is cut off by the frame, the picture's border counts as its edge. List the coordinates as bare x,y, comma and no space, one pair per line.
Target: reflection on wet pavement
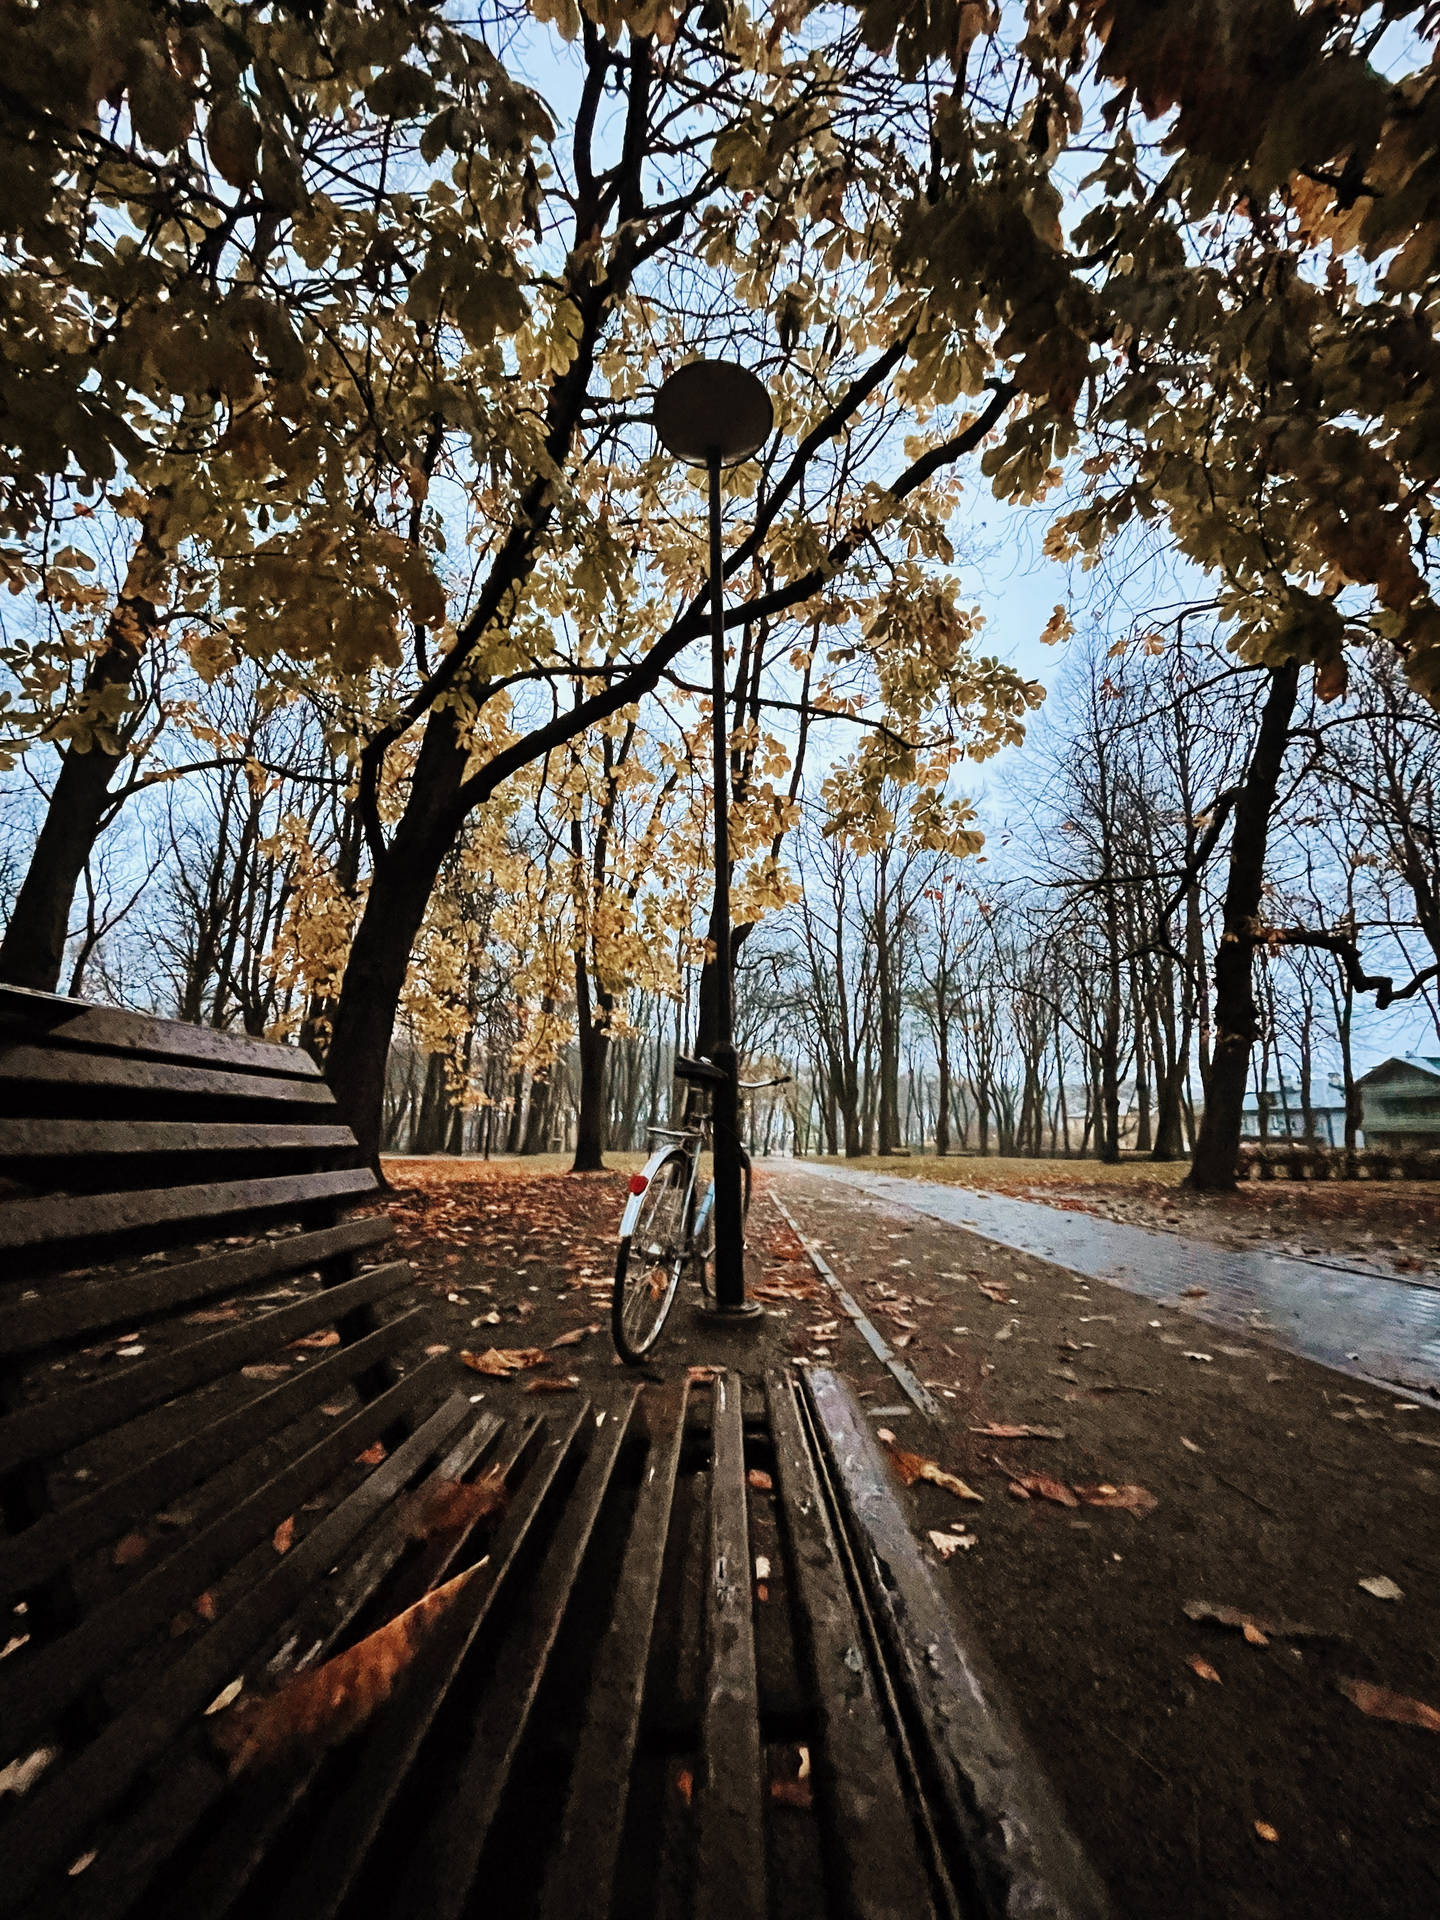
1380,1329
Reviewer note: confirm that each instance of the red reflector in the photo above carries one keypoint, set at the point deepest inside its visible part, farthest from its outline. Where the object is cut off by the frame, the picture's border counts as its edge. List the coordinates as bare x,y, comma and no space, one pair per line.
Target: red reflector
638,1183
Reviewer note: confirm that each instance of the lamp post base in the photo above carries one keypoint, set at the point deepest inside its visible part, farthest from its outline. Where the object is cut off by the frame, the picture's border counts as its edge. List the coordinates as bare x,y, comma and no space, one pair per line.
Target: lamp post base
746,1312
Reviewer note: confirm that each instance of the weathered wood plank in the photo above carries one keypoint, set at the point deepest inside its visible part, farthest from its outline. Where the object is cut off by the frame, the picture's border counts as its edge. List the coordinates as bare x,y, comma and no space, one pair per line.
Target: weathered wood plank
28,1068
75,1023
75,1139
730,1877
51,1824
53,1316
868,1820
582,1877
40,1432
47,1546
44,1682
66,1219
441,1878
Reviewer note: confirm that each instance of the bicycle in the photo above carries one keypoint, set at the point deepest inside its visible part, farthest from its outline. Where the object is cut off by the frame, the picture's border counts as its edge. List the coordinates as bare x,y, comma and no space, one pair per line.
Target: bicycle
663,1229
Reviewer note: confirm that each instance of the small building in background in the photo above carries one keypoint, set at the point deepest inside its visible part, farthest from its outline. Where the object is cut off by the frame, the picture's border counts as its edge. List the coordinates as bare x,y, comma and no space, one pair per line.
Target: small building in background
1285,1117
1402,1102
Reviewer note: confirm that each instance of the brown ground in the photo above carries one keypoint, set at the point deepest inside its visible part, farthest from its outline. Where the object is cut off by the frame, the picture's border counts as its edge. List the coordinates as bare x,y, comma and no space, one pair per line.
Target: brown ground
1292,1489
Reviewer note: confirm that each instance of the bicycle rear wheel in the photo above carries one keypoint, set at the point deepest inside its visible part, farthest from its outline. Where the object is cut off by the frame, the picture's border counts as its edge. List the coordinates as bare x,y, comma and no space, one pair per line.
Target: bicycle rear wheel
650,1260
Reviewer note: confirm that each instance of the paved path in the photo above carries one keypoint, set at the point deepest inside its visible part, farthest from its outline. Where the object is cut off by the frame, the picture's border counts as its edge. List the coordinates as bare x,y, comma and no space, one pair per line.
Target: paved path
1379,1329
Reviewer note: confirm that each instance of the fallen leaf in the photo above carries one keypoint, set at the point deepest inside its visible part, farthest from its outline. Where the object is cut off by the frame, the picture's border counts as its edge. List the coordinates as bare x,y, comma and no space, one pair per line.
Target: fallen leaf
316,1710
759,1479
791,1793
1194,1293
914,1466
576,1335
313,1342
132,1548
1189,1445
1266,1831
697,1376
501,1362
283,1537
994,1432
1382,1587
450,1506
685,1785
762,1567
265,1370
1204,1669
225,1696
553,1383
947,1543
1383,1704
372,1456
432,1353
205,1606
1133,1499
87,1859
1044,1488
1253,1634
1206,1357
992,1290
21,1775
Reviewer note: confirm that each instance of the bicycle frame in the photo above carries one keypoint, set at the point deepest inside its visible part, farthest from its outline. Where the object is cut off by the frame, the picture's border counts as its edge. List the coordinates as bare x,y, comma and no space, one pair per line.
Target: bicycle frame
691,1140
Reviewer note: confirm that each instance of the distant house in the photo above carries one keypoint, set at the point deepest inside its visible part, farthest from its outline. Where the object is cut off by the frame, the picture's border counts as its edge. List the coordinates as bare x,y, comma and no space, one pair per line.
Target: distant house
1285,1116
1402,1102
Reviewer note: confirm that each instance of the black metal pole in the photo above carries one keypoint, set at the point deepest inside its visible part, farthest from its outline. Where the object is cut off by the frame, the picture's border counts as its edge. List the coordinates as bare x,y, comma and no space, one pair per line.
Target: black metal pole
725,1109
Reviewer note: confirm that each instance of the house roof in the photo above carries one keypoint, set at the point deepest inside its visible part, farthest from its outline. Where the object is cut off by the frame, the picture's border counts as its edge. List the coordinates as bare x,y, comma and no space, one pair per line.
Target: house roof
1424,1063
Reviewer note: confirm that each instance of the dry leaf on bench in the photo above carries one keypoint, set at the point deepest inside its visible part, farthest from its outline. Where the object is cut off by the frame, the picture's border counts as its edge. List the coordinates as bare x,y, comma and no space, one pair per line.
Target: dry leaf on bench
759,1479
450,1506
1266,1831
315,1341
1382,1587
1204,1669
1042,1487
283,1537
914,1466
132,1548
372,1456
1383,1704
553,1383
316,1710
501,1362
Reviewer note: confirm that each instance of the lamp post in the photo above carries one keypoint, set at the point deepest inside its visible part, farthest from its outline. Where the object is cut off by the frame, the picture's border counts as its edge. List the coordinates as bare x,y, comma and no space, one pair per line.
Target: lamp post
714,414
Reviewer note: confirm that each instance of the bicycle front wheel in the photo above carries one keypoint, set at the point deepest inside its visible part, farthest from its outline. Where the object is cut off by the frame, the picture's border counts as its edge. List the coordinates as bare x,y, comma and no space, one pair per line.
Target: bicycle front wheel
649,1263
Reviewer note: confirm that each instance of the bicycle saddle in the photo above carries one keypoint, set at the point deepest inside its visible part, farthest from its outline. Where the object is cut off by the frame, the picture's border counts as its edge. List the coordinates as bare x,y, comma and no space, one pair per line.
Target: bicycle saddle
688,1069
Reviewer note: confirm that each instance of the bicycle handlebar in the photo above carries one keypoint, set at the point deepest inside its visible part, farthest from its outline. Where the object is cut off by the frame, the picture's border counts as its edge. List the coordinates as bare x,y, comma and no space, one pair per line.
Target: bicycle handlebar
754,1086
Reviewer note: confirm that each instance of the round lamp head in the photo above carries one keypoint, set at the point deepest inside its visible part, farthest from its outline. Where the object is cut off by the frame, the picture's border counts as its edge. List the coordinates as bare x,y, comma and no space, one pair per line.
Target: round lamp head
713,407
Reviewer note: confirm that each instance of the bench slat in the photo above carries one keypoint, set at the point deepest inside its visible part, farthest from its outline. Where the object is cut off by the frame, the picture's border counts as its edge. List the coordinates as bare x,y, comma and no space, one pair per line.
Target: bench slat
55,1819
57,1673
582,1878
444,1861
64,1218
74,1023
256,1807
730,1881
873,1826
29,1066
40,1432
42,1549
337,1851
233,1852
100,1304
73,1139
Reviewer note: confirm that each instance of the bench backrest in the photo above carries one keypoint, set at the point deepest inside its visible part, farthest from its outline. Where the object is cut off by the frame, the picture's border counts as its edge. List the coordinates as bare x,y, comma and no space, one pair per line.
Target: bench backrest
196,1372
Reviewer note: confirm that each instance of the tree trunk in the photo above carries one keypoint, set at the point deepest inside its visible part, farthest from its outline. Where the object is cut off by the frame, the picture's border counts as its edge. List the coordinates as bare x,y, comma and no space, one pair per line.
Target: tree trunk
1213,1169
942,1097
593,1046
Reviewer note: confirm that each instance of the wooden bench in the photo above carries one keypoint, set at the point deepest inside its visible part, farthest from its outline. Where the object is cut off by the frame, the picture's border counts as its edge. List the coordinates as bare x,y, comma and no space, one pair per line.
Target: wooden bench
696,1668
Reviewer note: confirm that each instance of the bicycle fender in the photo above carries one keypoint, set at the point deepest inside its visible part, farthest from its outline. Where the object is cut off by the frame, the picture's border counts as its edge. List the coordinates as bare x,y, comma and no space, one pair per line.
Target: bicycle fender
632,1205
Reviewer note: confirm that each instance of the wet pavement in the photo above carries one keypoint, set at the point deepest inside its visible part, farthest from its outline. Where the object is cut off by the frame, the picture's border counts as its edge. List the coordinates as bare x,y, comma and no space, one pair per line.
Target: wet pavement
1379,1329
